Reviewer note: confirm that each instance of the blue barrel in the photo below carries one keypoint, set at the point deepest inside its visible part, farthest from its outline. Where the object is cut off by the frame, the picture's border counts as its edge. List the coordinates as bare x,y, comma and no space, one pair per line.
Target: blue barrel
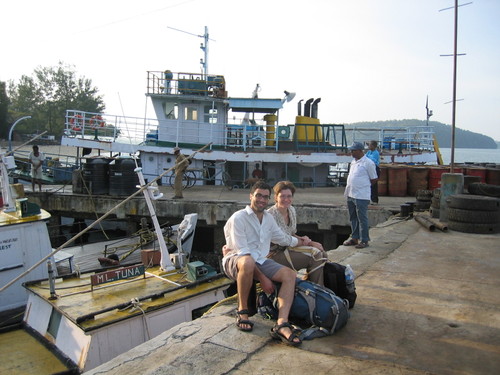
96,175
122,177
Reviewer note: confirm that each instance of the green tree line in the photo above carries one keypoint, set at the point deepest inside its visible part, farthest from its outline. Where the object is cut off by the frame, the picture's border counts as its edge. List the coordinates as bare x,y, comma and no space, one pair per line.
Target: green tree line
45,96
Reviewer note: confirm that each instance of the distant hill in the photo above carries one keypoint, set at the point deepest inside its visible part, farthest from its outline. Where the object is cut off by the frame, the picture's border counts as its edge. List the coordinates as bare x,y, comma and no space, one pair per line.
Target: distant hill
463,138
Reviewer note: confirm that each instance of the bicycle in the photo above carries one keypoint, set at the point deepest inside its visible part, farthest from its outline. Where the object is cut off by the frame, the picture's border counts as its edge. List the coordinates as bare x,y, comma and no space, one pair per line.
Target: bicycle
206,174
188,179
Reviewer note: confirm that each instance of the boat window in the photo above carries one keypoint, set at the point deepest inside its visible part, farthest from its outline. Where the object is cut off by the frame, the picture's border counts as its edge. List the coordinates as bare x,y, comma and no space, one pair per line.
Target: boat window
191,113
171,111
54,322
210,114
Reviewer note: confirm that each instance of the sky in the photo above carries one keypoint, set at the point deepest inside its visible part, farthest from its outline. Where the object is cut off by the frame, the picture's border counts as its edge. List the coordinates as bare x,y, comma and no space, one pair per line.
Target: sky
368,60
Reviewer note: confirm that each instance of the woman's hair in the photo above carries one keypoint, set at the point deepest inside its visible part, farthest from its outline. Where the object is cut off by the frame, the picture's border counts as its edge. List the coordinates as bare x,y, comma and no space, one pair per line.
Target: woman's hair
283,185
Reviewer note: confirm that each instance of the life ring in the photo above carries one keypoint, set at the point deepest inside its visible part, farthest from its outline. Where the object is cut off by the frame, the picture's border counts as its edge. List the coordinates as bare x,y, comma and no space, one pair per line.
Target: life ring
76,123
97,122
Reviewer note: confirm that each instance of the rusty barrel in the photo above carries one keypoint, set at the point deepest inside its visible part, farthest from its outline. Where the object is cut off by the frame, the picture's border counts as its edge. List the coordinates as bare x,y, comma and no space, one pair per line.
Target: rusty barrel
435,176
476,171
382,181
493,176
397,181
417,180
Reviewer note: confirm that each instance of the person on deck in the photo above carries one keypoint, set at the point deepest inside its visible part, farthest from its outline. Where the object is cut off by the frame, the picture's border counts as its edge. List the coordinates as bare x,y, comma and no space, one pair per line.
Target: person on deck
36,159
249,233
362,174
374,155
257,174
311,257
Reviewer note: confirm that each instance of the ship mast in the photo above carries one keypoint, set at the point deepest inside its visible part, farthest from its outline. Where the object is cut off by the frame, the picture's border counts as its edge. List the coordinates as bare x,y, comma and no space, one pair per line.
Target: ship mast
203,47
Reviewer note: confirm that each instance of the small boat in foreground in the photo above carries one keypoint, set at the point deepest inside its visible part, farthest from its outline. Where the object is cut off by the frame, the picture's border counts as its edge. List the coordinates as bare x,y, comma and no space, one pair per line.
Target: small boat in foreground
89,318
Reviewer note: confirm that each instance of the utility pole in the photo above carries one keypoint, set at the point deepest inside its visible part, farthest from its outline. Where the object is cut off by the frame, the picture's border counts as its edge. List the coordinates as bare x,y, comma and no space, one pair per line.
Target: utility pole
454,100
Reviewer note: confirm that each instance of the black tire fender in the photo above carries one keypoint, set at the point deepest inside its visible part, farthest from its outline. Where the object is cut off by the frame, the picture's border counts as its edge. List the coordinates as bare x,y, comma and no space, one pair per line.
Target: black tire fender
473,202
472,216
474,227
489,190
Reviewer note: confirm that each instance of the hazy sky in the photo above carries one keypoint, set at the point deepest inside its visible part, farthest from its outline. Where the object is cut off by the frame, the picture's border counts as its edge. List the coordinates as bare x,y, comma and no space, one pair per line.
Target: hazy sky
367,60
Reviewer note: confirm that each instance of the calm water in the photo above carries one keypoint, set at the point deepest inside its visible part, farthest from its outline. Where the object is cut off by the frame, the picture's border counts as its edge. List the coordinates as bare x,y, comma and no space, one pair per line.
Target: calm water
475,155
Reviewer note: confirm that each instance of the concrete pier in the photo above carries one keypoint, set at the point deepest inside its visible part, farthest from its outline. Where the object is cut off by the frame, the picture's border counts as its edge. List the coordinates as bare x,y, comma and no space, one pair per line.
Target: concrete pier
428,303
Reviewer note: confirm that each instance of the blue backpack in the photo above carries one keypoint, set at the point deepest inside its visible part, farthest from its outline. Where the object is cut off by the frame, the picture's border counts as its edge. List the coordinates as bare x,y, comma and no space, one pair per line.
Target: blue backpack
314,307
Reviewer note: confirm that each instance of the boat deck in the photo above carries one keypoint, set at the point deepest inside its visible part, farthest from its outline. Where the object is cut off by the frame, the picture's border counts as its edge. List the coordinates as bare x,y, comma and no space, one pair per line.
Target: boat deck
91,307
22,354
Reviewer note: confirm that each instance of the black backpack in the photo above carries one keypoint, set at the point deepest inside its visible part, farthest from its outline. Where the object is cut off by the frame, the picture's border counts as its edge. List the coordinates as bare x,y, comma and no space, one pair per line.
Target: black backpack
334,279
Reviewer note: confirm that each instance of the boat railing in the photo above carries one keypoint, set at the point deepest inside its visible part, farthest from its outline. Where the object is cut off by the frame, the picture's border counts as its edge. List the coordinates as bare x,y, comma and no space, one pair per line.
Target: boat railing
105,127
400,139
56,168
168,83
321,138
248,135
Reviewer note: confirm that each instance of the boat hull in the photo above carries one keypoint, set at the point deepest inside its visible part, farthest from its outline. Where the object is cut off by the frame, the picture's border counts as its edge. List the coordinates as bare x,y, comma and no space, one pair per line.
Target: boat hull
91,328
23,243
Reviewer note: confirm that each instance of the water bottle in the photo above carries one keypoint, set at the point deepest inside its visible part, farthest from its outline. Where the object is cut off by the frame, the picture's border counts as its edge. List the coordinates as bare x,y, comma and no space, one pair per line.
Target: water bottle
349,279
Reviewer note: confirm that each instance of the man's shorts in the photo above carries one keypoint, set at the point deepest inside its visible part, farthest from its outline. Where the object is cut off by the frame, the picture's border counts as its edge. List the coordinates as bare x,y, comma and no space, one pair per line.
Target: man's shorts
36,174
230,266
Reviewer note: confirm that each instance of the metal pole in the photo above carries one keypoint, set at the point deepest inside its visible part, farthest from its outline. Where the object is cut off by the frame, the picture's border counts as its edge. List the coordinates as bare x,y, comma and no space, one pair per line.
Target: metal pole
454,104
206,52
12,129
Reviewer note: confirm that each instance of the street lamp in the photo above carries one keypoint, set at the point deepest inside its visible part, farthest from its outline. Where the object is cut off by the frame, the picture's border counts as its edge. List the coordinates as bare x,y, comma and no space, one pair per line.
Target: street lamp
12,129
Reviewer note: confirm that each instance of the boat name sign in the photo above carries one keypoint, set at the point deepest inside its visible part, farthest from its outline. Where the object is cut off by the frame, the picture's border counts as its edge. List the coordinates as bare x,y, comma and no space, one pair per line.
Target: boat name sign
118,274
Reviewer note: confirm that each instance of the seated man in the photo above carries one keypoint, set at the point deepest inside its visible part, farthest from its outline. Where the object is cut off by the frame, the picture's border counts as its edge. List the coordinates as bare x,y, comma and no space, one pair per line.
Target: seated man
249,233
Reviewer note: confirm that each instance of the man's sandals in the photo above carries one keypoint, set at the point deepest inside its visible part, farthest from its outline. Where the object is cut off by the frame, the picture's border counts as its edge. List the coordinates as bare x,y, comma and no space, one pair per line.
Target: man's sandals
350,242
291,340
241,323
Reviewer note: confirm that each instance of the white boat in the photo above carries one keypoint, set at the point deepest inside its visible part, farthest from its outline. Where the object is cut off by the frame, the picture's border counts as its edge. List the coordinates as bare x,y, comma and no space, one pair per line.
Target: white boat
194,109
24,240
190,119
94,317
89,318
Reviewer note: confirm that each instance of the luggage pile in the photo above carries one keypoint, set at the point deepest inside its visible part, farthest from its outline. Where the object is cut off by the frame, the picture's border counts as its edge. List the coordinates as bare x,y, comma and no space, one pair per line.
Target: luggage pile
319,310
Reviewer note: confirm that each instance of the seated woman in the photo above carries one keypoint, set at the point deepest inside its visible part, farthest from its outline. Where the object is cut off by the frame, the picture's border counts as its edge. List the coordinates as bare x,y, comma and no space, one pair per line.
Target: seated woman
312,257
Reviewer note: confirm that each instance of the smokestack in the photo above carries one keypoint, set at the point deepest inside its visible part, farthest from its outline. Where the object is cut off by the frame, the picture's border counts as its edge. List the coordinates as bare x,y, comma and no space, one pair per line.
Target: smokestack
307,107
299,109
314,110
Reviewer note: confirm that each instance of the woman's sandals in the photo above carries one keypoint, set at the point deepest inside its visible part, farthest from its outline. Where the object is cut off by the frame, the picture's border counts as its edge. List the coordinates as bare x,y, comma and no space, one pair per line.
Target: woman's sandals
275,334
241,323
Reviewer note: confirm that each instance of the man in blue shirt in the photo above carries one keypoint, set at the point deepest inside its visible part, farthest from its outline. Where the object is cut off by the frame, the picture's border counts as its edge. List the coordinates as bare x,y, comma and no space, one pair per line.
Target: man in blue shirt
374,155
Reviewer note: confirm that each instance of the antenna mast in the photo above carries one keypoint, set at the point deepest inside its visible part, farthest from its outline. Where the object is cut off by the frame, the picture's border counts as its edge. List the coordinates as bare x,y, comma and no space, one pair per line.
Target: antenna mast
203,47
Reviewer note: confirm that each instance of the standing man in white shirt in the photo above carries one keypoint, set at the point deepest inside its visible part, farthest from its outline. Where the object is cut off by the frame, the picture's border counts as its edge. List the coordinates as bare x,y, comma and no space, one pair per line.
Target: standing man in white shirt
362,174
36,159
249,233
